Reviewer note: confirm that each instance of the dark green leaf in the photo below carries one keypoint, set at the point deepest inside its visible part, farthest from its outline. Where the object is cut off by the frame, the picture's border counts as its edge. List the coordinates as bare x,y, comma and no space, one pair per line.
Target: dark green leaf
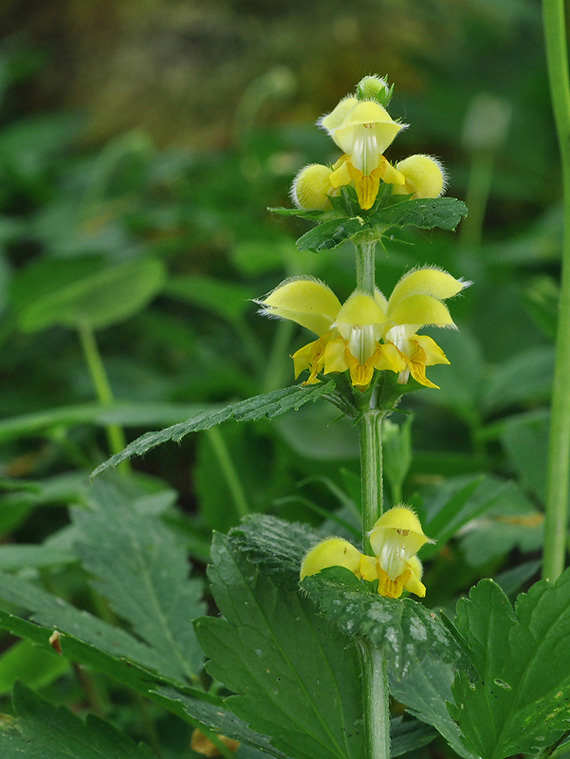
424,691
519,703
220,719
154,594
296,677
404,628
425,213
276,545
268,405
44,731
331,234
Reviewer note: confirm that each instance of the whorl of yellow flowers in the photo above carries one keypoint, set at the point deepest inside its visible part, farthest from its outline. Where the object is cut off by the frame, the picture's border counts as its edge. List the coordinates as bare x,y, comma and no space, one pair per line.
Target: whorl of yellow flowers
363,129
368,333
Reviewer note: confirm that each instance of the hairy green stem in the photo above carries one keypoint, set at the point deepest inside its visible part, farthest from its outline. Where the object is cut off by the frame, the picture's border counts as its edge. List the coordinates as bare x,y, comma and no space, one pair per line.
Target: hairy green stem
374,677
115,434
559,446
365,265
370,472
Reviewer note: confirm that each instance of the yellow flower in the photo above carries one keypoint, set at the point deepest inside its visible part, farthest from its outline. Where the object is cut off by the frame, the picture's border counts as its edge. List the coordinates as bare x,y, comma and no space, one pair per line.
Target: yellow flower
425,177
363,130
395,539
334,552
350,335
416,302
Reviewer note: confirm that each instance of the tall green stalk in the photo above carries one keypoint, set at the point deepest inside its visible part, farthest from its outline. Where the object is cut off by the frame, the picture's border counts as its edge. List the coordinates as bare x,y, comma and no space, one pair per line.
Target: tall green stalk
375,692
559,447
115,434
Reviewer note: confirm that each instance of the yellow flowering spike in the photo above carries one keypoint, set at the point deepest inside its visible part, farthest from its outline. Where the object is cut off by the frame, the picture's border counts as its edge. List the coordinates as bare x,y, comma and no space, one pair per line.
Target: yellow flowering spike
414,584
311,188
425,177
305,301
334,552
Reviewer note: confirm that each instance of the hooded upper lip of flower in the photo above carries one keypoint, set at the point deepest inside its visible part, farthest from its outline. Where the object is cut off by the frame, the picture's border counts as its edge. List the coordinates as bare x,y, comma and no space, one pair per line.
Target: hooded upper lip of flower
363,320
363,129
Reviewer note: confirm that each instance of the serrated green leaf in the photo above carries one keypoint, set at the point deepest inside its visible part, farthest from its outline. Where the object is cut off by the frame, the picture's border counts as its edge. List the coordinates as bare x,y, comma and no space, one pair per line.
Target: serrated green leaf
277,546
424,692
44,731
425,213
154,594
331,234
267,405
220,719
405,629
121,668
521,700
405,735
296,678
104,298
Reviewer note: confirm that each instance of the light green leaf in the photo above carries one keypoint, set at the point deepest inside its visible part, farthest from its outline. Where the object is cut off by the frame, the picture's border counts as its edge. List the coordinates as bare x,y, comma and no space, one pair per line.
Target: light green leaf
519,704
104,298
331,234
512,521
227,299
296,678
154,594
425,213
404,628
25,556
424,692
268,405
459,501
523,378
44,731
29,664
125,414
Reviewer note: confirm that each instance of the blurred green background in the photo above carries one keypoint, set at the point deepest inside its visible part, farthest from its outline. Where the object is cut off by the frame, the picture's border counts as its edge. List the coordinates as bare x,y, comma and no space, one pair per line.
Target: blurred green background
141,143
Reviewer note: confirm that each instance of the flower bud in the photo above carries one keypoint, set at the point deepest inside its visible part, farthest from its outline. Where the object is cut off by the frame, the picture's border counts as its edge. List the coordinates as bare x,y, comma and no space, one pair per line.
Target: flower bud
425,177
374,88
334,552
311,188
